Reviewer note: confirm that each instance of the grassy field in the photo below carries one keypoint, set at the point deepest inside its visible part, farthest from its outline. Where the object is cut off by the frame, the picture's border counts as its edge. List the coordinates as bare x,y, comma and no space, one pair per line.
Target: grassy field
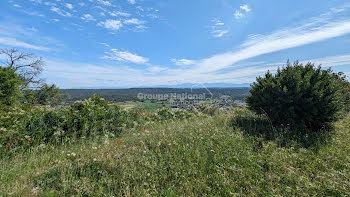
202,156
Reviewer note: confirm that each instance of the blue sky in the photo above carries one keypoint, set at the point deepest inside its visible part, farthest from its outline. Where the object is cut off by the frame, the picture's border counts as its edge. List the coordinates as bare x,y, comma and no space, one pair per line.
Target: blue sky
133,43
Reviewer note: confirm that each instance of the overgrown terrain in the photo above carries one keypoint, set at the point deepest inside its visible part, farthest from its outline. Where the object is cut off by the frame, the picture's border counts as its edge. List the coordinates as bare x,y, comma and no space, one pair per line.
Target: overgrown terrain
197,156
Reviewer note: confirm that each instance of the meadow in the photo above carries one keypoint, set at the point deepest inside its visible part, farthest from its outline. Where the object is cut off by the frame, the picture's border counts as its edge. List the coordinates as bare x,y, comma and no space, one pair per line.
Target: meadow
199,155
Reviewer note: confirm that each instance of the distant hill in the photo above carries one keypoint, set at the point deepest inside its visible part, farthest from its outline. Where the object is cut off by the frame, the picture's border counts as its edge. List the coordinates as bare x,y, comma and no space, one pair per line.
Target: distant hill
119,95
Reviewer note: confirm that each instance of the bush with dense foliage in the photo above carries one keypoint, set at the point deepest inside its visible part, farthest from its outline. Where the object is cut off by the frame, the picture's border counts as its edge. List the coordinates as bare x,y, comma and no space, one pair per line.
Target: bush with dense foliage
302,98
346,93
9,87
90,118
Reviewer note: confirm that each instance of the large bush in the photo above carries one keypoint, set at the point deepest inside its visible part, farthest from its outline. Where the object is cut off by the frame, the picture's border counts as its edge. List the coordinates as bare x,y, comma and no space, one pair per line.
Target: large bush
9,87
94,117
298,97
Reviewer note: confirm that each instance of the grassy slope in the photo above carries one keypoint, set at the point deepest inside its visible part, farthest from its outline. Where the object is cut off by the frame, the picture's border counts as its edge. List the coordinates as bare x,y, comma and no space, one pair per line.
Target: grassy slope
196,157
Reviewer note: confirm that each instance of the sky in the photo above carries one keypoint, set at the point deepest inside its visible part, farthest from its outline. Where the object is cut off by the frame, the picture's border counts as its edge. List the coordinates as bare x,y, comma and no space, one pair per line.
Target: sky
167,43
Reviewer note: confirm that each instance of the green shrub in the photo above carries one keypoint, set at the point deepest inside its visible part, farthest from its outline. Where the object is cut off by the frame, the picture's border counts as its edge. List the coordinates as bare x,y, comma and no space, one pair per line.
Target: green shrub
346,93
302,98
48,95
253,124
9,87
168,114
94,117
209,109
165,114
260,126
91,118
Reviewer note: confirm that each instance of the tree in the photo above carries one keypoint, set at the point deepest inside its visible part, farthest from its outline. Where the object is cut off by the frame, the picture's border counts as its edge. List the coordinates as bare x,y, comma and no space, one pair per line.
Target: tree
26,65
9,87
30,96
49,95
303,98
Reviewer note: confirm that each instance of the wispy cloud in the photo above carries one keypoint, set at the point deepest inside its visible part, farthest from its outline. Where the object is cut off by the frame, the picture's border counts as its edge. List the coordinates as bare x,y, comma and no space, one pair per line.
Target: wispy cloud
119,13
238,14
88,17
314,30
245,8
16,5
13,42
156,69
219,33
218,28
111,24
82,75
60,12
182,62
69,6
241,12
125,56
332,61
132,1
134,21
106,3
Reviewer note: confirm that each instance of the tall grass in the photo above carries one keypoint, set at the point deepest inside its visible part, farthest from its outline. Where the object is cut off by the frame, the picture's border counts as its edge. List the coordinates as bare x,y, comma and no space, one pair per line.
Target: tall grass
199,156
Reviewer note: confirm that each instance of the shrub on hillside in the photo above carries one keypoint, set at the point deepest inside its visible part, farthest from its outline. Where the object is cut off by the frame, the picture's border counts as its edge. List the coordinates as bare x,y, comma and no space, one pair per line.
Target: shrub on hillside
94,117
90,118
210,110
168,114
302,98
346,92
9,87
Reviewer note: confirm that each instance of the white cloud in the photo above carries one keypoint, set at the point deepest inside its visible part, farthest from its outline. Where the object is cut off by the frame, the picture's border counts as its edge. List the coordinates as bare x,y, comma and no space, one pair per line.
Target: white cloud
105,44
81,4
245,8
226,67
60,12
332,61
132,1
69,6
118,13
81,75
106,3
318,29
219,33
125,56
218,28
156,69
110,24
238,14
182,62
134,21
32,13
13,42
88,17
